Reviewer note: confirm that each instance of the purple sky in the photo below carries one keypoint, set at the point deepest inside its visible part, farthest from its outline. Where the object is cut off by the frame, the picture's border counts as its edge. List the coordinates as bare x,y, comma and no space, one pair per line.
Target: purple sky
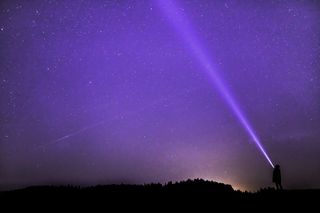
96,92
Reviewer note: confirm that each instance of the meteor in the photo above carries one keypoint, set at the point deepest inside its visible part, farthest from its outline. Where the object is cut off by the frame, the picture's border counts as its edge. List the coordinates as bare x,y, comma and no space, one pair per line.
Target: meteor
180,23
65,137
79,131
117,117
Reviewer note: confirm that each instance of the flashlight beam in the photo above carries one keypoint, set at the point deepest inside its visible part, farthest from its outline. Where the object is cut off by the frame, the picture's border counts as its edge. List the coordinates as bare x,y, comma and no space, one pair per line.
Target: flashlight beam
179,21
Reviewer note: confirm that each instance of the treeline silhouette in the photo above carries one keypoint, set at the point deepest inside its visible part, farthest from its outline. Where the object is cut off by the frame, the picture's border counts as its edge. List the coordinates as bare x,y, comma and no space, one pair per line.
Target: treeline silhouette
198,192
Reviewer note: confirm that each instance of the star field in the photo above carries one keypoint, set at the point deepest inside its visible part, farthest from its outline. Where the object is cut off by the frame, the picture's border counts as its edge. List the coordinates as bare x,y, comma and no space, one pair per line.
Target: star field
96,92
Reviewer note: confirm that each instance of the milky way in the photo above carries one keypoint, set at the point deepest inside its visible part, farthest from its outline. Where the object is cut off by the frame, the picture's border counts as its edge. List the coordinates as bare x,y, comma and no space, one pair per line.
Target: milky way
96,92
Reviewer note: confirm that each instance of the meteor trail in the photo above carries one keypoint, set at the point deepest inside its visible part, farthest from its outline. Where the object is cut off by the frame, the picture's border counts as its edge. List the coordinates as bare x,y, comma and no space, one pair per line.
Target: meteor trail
125,114
179,21
70,134
78,131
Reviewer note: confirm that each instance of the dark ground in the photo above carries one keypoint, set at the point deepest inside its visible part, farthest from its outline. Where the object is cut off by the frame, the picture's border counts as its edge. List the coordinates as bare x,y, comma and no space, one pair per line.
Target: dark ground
186,195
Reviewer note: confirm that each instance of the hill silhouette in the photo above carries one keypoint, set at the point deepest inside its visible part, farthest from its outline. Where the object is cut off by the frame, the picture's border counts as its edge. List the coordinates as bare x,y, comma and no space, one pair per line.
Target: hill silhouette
198,192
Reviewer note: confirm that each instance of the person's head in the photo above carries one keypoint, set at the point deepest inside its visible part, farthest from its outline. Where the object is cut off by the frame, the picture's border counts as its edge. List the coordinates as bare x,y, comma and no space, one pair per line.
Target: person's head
277,166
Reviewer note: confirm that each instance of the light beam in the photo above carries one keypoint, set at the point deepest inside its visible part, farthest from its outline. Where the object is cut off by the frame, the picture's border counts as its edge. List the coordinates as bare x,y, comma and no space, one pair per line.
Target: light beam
175,15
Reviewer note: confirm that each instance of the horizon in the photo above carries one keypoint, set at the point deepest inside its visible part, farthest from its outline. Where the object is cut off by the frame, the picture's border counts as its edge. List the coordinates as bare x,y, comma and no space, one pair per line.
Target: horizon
83,185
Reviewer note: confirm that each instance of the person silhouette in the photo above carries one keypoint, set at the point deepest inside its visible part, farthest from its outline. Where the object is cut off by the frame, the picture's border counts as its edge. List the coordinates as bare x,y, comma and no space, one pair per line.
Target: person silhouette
276,178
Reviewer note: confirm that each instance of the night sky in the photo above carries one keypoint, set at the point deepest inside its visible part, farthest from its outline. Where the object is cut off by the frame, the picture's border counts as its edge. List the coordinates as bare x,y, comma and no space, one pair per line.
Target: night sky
98,92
